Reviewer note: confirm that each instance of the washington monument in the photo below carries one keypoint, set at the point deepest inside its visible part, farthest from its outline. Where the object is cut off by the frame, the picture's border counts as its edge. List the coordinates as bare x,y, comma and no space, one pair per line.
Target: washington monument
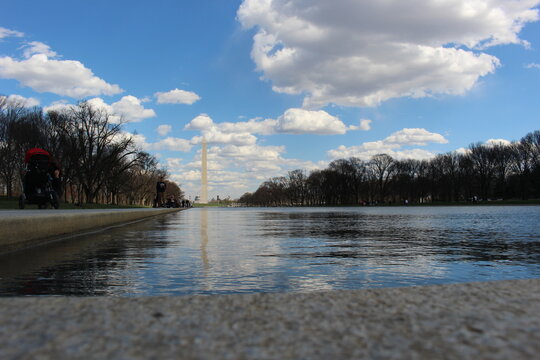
204,178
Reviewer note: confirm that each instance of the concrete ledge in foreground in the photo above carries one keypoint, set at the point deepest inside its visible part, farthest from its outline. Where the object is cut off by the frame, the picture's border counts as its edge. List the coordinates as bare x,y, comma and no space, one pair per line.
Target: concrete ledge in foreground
493,320
21,229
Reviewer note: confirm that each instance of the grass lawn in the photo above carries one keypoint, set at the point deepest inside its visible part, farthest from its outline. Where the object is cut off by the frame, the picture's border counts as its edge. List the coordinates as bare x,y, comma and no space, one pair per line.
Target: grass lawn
437,203
209,205
489,202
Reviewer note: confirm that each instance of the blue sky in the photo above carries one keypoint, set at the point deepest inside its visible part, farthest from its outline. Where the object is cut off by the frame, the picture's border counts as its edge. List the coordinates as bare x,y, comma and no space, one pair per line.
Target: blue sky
280,85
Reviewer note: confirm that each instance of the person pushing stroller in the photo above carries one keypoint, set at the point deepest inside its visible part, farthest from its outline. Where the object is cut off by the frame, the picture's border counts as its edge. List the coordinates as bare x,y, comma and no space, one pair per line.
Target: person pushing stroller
41,183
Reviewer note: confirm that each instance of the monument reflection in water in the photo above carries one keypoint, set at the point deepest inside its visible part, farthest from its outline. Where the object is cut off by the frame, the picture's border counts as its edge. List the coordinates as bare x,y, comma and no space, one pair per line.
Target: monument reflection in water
235,250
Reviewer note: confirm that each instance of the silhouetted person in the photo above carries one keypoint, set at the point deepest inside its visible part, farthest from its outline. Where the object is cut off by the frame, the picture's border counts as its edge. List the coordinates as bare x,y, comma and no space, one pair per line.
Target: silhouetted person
161,186
56,176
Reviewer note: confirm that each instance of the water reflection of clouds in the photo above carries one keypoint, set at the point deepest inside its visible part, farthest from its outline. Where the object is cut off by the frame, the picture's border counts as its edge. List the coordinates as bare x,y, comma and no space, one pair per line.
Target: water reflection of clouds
216,251
308,284
372,246
252,250
421,267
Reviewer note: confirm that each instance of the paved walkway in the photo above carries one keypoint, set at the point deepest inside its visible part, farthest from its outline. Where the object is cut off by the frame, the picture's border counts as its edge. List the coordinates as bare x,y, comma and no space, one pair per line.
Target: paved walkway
493,320
23,228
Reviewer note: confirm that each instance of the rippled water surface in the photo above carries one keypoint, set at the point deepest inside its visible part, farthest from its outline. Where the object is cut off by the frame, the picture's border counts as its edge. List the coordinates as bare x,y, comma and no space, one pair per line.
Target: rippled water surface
236,250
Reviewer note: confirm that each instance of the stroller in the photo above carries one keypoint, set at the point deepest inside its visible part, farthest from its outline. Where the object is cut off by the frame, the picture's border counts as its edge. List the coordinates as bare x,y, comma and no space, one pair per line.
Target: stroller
37,182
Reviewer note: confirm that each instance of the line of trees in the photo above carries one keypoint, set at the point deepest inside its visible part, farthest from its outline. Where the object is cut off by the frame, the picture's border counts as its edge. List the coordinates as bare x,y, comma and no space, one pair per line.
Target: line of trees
100,162
482,172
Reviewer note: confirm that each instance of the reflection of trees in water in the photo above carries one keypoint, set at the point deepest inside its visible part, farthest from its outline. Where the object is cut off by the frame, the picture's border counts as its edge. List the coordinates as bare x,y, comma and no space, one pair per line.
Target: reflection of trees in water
381,238
219,252
86,275
85,265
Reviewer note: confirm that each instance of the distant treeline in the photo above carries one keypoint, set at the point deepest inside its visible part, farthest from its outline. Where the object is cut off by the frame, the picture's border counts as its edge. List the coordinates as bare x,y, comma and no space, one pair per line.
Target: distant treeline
99,161
482,172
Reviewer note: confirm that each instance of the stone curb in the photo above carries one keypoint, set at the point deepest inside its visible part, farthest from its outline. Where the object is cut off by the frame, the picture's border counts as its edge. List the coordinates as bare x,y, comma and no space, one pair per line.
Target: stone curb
491,320
21,229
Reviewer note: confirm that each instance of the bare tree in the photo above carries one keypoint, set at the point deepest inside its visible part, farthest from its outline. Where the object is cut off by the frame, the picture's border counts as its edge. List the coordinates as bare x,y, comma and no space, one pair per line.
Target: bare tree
97,147
297,187
483,160
9,157
20,130
485,170
382,167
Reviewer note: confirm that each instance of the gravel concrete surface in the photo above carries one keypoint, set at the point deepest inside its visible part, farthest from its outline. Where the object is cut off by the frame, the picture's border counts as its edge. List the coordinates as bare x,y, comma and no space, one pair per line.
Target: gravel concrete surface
491,320
21,229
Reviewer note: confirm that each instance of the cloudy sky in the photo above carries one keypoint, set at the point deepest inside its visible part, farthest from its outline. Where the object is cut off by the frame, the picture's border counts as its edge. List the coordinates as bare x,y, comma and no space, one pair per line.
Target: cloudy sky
277,85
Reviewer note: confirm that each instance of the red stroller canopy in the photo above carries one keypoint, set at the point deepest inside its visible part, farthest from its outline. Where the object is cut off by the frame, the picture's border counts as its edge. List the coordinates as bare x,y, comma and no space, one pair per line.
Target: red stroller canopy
35,151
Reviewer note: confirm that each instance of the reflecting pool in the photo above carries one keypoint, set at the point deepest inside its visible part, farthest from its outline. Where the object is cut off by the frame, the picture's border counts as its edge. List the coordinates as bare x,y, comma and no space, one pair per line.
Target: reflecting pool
246,250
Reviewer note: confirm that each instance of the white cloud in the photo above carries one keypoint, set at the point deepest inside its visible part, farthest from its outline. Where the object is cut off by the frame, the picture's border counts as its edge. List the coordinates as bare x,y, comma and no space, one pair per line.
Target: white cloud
177,96
59,106
213,133
293,121
533,66
173,163
365,124
5,33
364,153
418,137
234,169
36,47
256,163
190,175
201,122
21,100
498,142
214,136
131,109
127,109
462,151
123,135
300,121
99,103
254,126
140,142
164,129
392,146
204,123
63,77
251,153
361,53
171,144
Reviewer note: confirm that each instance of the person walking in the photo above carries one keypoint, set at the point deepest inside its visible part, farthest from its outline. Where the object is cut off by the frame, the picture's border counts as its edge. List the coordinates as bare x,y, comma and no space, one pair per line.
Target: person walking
161,186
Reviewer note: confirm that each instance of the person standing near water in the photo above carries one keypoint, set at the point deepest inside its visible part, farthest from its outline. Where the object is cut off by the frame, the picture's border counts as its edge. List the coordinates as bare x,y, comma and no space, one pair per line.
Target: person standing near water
161,186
